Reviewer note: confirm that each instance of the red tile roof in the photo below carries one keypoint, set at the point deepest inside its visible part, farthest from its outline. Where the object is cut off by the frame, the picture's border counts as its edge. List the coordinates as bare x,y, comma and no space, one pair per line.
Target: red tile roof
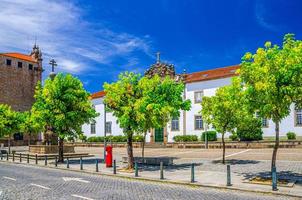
20,56
97,95
218,73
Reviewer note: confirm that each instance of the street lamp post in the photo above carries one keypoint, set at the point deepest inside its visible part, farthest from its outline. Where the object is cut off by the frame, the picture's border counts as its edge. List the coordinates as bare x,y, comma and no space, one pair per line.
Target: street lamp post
206,136
104,131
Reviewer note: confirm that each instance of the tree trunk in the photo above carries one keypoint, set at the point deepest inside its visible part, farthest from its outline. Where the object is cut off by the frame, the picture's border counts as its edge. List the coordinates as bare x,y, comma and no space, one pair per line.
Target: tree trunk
276,145
143,145
223,149
130,153
29,139
61,151
8,144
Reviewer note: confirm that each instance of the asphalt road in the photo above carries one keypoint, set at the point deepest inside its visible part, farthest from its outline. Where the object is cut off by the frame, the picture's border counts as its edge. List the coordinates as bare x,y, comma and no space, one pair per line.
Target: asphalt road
29,182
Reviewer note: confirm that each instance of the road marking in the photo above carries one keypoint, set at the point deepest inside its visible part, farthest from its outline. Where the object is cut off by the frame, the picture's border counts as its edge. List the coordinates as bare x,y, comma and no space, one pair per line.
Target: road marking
40,186
75,179
81,197
9,178
233,154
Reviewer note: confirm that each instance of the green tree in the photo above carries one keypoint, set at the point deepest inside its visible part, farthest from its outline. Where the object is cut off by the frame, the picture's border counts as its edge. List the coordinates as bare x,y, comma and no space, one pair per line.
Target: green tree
121,97
9,123
63,104
225,109
272,77
249,128
161,101
143,103
30,124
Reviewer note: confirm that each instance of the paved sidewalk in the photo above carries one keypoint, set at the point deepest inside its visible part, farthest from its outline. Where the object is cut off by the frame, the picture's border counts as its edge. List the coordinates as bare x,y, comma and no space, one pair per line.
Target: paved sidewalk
245,164
215,177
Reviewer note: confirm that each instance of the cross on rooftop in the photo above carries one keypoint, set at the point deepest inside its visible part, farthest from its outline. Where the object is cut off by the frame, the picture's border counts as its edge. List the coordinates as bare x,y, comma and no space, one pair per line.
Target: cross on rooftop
53,63
158,57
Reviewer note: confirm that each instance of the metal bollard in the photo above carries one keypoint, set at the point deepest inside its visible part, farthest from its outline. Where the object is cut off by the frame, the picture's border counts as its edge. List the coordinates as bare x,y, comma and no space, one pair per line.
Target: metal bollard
36,159
81,163
136,169
13,157
161,170
1,156
67,163
114,167
229,175
7,156
96,165
192,173
56,161
20,157
27,158
45,158
274,179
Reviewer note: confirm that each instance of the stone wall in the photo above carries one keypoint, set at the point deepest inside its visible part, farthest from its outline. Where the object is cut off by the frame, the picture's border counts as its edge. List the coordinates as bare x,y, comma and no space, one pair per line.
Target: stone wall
17,85
51,149
201,145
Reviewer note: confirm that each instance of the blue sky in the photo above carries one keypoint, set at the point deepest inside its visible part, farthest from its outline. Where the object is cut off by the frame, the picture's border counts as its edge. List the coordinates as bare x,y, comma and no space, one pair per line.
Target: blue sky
96,40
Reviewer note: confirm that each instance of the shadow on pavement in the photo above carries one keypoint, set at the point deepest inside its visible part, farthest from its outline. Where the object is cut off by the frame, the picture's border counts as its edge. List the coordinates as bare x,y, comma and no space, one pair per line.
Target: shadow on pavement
287,175
236,162
169,168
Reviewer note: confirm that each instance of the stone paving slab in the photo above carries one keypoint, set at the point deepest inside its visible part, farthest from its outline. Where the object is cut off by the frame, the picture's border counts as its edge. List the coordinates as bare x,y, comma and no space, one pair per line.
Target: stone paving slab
208,173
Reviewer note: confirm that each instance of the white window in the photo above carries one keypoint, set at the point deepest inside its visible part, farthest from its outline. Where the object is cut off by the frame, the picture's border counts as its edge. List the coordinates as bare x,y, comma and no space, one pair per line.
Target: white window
298,117
264,121
175,124
92,128
108,127
198,96
198,122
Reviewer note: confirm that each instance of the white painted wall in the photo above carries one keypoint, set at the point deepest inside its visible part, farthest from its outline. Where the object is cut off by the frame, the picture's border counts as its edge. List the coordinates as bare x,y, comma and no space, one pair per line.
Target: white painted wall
209,88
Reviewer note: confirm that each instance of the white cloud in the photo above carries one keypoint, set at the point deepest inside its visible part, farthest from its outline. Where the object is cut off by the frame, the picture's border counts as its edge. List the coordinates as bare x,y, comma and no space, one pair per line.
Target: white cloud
262,18
63,34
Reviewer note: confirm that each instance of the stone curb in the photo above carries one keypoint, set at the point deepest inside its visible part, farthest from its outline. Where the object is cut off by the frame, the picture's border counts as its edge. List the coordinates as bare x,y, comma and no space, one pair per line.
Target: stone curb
275,193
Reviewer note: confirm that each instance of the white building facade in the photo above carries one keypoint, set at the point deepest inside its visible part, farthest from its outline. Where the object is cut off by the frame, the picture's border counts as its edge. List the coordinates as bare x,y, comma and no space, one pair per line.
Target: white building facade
197,85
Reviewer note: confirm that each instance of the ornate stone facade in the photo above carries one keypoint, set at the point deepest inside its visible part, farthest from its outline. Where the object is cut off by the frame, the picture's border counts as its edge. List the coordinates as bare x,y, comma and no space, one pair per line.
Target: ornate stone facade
19,75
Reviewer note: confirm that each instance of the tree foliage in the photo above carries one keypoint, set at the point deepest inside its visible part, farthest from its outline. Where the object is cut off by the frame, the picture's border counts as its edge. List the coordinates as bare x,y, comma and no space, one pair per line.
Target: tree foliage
9,122
143,103
227,109
30,124
273,81
63,104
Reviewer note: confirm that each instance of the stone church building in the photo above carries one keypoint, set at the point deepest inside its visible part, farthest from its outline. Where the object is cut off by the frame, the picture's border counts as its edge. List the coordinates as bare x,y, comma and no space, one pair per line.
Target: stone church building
19,75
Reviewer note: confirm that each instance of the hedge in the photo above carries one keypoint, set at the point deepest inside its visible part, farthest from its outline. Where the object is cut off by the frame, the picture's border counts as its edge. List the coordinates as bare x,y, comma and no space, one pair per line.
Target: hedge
115,138
185,138
211,136
291,135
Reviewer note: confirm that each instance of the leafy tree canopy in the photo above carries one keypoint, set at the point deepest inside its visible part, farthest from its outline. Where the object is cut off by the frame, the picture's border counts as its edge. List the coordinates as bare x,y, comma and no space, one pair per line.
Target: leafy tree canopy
64,105
273,78
9,121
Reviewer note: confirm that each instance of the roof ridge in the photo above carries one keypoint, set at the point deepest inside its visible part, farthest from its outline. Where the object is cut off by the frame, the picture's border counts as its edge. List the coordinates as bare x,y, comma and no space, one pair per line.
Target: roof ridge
218,68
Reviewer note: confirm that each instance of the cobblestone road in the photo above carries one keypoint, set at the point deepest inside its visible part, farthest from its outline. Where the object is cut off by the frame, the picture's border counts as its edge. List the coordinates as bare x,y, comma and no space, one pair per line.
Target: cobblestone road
29,182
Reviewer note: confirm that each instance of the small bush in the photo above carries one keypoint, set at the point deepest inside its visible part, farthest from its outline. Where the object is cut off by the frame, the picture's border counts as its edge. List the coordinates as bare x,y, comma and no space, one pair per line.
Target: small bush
211,136
250,130
138,138
233,137
96,139
83,137
185,138
116,138
291,135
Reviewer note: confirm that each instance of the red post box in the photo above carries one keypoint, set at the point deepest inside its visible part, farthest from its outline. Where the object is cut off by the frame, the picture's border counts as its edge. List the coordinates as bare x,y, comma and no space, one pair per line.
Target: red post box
108,156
